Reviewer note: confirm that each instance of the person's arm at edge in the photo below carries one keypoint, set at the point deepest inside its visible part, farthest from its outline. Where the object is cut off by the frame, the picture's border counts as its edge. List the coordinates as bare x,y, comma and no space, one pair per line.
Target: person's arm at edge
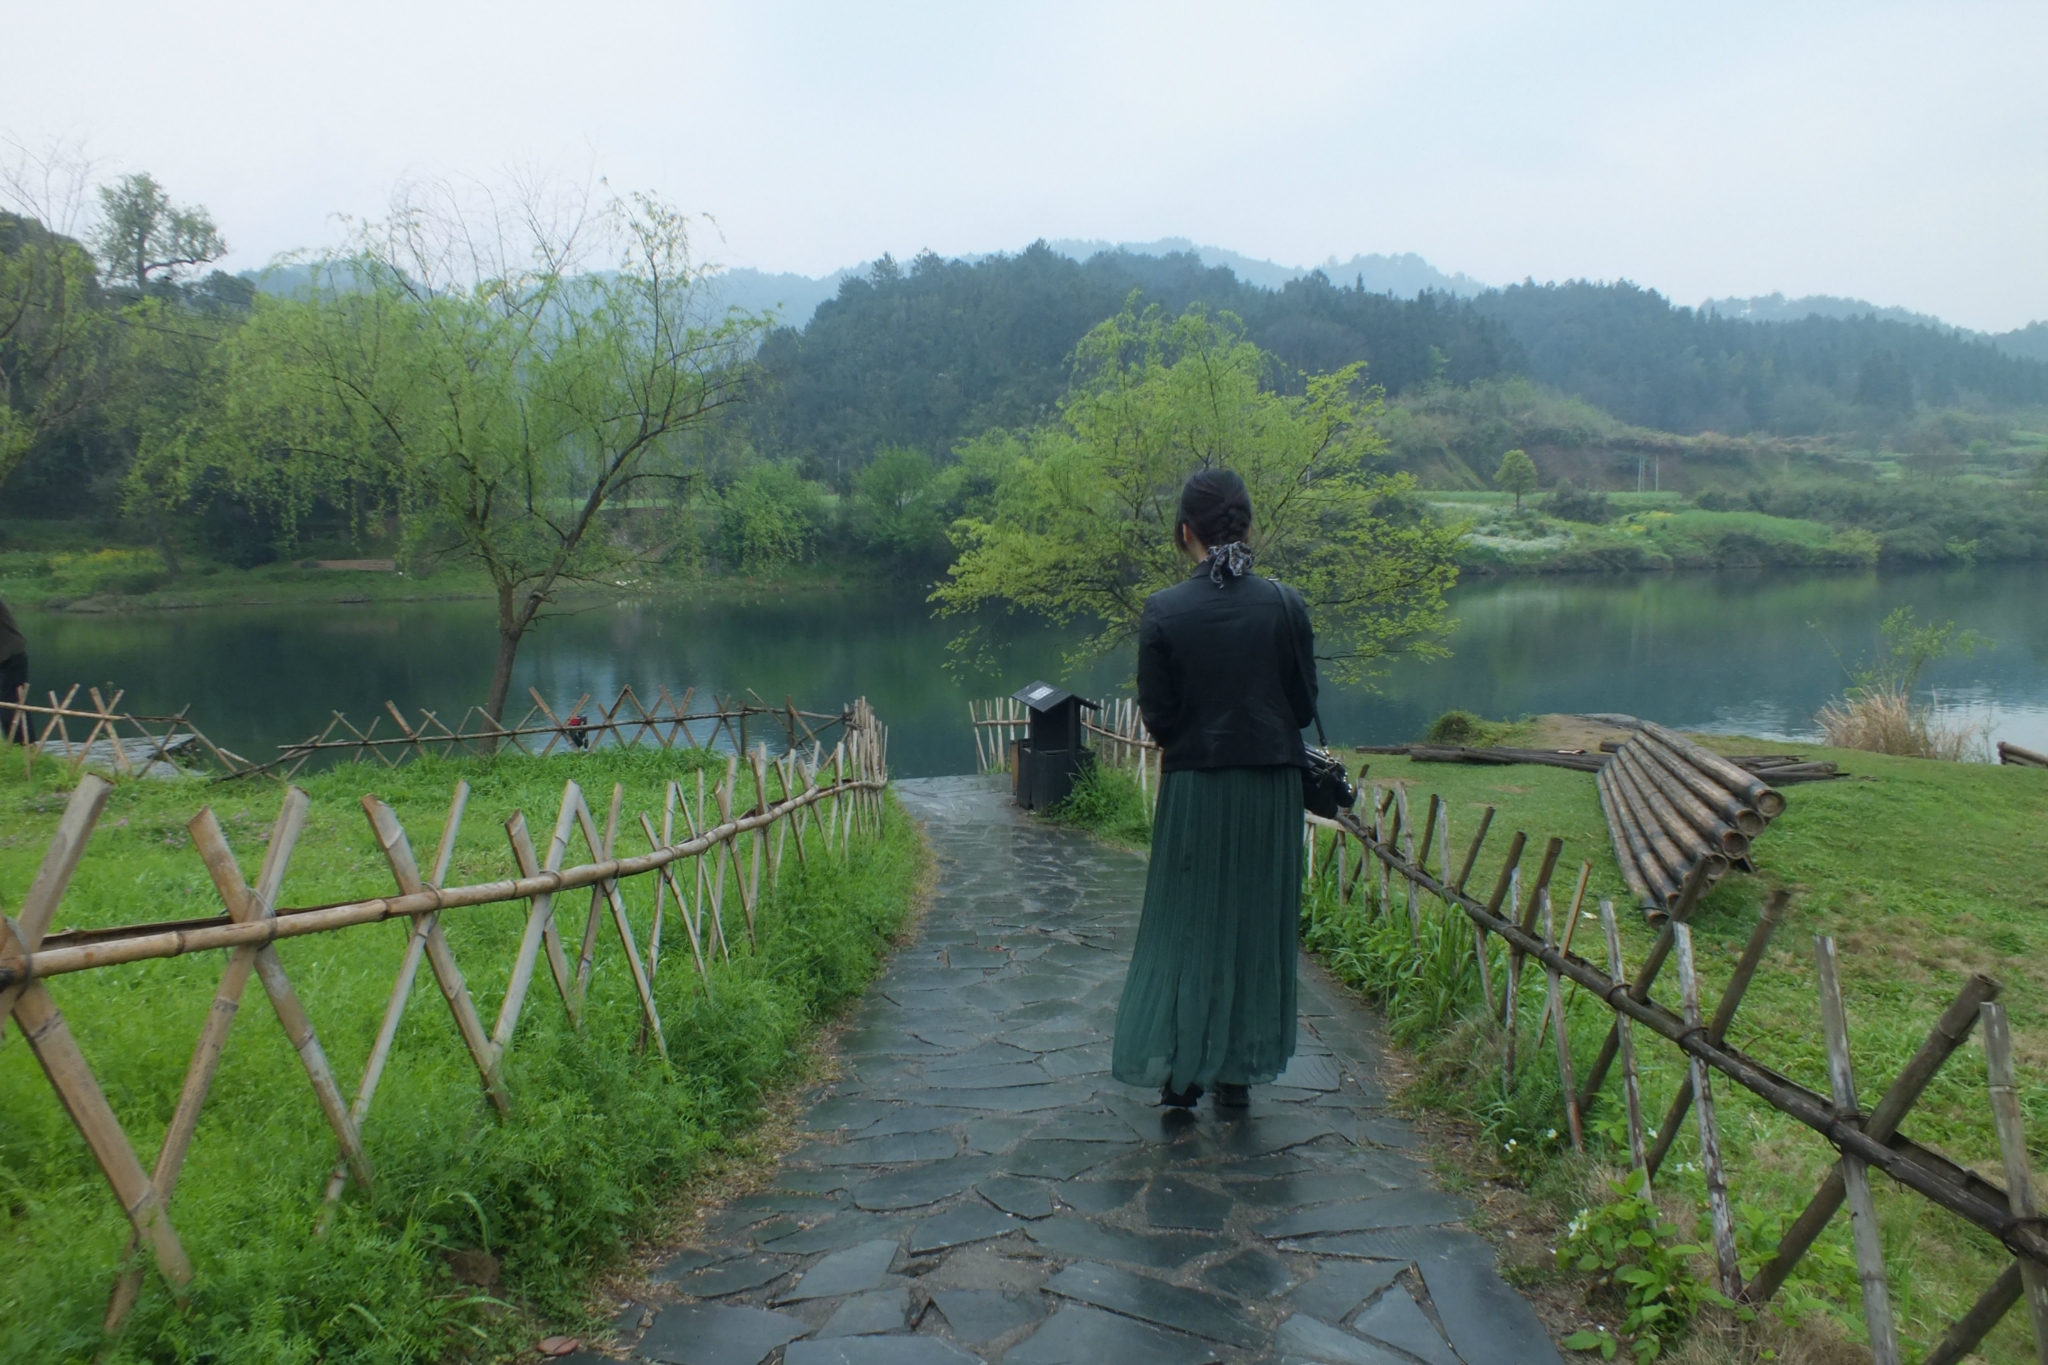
1158,699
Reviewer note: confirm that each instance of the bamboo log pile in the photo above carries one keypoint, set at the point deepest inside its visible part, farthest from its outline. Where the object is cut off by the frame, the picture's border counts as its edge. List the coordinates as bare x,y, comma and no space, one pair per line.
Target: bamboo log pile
1673,805
816,802
1867,1141
2013,754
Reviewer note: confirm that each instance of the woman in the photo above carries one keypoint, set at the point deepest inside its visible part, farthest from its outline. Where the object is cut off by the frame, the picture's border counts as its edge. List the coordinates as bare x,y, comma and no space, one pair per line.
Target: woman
1226,681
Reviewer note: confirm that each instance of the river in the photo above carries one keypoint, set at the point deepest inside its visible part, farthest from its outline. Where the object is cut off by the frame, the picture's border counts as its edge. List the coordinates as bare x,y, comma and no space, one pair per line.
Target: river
1737,652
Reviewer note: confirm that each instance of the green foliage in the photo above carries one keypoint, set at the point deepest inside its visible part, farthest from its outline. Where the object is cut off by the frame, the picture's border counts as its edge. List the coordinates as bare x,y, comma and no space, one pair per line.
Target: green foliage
1079,525
1106,802
900,505
144,239
769,516
1571,504
1636,1252
1462,727
1905,648
53,333
1517,475
545,1199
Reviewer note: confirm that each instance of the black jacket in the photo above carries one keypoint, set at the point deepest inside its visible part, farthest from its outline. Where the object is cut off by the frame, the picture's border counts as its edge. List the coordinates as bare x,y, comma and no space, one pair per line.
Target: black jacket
1227,675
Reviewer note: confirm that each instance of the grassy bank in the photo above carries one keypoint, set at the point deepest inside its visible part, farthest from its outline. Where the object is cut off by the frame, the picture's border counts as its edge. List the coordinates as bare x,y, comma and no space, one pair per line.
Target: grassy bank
1923,872
478,1226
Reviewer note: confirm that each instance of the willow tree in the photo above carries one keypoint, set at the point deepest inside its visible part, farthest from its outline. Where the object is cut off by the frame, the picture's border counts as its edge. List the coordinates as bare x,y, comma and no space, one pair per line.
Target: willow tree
1079,525
496,377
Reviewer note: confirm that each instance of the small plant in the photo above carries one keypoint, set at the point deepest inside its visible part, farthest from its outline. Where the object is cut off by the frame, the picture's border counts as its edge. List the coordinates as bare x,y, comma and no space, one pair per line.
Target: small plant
1637,1253
1878,713
1106,801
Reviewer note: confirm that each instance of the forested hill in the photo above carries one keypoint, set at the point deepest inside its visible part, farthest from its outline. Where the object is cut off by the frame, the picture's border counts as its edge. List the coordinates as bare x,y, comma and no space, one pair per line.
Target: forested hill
928,354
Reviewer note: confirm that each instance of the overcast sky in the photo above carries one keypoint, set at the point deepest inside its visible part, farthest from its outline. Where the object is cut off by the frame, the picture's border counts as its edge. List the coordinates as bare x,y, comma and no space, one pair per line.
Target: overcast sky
1897,153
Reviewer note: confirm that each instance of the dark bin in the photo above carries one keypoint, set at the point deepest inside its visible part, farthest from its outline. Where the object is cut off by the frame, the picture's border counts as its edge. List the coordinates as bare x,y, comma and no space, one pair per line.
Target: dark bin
1053,757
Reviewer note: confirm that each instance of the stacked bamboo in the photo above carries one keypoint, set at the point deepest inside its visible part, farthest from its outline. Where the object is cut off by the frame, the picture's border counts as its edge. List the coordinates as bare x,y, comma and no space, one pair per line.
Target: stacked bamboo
1673,805
2015,756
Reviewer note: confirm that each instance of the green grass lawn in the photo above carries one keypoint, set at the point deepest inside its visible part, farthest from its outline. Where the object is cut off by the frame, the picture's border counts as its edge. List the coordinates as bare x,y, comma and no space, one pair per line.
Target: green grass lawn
543,1200
1924,872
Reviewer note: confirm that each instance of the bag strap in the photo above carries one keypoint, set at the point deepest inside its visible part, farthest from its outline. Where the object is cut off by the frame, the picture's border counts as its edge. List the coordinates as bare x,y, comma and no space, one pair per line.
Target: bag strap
1315,705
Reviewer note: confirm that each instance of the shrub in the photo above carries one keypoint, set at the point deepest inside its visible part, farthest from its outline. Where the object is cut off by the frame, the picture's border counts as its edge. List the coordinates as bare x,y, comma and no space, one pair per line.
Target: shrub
1886,720
1567,503
1628,1239
1106,802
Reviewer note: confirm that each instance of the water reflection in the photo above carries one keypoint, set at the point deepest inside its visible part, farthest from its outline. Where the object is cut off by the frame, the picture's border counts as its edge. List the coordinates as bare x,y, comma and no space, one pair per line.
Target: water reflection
1754,653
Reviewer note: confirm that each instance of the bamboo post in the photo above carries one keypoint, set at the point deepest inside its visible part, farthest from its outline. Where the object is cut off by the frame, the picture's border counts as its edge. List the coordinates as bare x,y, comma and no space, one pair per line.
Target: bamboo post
2012,1145
1863,1229
398,853
1646,976
1949,1033
401,992
1571,927
1472,852
541,932
1511,995
609,898
1408,852
1554,1008
1724,1016
600,851
1631,1087
1710,1132
683,909
1986,1313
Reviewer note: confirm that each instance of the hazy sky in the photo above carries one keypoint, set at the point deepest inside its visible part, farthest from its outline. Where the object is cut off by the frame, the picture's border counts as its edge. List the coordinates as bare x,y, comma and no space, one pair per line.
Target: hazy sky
1892,152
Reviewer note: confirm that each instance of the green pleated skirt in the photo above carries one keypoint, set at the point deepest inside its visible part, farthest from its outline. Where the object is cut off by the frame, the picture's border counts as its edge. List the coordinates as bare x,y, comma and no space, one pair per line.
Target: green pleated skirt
1209,997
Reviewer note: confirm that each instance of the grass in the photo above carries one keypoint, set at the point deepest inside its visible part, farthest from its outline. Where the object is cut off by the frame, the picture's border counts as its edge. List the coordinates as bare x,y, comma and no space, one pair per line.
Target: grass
478,1228
1886,720
1924,872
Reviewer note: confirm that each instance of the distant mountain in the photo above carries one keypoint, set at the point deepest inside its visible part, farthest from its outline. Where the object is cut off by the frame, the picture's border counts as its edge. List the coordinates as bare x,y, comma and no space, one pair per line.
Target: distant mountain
1403,276
2029,342
793,298
1778,308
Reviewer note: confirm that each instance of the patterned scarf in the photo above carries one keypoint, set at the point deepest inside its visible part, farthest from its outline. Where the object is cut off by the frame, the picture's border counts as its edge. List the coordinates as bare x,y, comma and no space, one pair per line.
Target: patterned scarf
1233,559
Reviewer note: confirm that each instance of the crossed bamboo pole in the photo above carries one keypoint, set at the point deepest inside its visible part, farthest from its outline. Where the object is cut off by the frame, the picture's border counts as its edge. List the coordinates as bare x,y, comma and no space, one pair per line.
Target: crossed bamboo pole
834,797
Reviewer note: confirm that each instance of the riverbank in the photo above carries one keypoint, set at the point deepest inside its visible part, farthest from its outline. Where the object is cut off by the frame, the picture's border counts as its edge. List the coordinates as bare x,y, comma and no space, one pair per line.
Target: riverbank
479,1228
1924,872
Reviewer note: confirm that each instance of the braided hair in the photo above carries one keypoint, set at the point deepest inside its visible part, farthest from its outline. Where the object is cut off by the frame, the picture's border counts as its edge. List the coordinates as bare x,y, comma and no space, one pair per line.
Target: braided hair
1216,509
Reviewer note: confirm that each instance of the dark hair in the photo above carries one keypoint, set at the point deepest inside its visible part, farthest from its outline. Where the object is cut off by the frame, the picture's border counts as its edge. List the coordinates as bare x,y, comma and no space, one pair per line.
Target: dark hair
1216,506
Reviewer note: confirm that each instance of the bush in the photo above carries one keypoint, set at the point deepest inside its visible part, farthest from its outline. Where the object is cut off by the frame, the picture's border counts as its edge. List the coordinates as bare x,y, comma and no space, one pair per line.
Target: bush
1567,503
1886,720
1456,727
769,516
1107,803
124,572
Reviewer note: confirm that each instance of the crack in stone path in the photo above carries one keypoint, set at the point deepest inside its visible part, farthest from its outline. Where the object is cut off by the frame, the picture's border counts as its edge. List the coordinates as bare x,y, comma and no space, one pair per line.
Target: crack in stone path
978,1189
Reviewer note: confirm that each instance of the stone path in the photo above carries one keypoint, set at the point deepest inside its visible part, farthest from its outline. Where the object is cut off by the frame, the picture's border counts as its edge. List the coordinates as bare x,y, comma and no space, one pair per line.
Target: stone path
980,1190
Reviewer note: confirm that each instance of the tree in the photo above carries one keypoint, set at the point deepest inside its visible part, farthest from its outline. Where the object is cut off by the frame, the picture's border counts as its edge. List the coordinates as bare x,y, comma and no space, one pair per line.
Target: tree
1517,475
145,240
769,516
53,325
465,368
1079,523
898,505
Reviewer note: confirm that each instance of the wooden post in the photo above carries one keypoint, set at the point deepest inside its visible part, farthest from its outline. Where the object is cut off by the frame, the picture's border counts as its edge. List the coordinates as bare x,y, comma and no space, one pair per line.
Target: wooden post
1555,1010
2012,1145
1646,976
1724,1015
610,898
1571,926
1631,1089
1710,1132
1863,1229
1408,851
398,853
600,851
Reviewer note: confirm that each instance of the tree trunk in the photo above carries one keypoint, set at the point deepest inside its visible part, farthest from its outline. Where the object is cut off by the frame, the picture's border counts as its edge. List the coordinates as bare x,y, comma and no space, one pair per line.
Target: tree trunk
511,625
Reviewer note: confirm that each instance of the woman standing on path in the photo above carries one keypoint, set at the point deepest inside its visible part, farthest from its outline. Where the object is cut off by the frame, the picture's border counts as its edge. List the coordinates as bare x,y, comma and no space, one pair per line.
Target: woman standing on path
1226,681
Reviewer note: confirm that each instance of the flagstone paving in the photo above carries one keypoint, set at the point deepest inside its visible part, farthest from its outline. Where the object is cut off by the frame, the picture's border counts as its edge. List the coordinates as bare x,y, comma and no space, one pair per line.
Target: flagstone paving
977,1188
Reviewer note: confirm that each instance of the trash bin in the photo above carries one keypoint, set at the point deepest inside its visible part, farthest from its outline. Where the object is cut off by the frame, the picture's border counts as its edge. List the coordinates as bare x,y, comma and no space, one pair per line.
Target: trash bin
1056,751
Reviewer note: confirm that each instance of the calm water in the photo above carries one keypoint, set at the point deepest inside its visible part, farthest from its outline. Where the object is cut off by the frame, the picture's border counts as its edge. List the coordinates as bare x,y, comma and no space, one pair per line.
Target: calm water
1736,652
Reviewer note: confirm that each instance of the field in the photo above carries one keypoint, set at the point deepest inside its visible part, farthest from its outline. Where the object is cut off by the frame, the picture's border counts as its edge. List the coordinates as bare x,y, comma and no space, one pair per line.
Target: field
479,1229
1924,872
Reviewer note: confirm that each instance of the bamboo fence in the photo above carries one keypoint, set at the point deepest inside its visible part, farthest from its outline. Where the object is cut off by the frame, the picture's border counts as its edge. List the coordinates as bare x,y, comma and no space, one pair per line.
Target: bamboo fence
815,803
1124,741
664,721
998,724
1383,834
116,741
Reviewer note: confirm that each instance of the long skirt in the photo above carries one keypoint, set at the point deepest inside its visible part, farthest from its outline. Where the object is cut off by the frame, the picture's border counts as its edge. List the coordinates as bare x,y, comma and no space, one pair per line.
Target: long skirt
1209,997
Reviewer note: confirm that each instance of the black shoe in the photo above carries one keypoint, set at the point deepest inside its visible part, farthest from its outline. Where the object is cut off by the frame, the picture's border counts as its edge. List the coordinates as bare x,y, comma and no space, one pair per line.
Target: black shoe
1233,1096
1184,1099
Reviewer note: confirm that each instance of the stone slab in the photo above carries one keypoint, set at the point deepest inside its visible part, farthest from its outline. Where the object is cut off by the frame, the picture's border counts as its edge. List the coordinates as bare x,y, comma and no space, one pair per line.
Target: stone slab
1022,1099
1174,1201
1309,1187
1024,1198
921,1185
1083,1239
731,1277
894,1350
1488,1323
898,1150
1079,1335
1056,1159
880,1310
1308,1338
1097,1196
1339,1287
1404,1208
860,1267
988,1077
1250,1275
1307,1071
1155,1301
835,1234
978,1315
972,1222
1400,1322
717,1334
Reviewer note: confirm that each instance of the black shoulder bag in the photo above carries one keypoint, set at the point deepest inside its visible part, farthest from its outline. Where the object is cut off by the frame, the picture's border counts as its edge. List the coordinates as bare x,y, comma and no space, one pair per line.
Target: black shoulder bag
1325,787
